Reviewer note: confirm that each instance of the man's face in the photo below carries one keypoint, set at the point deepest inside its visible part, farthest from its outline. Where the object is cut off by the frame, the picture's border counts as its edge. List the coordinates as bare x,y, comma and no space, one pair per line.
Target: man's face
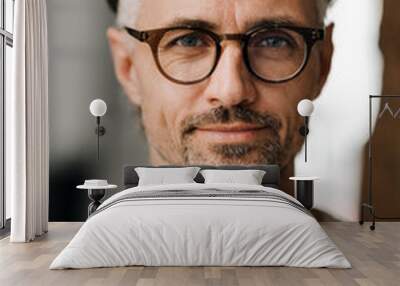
231,117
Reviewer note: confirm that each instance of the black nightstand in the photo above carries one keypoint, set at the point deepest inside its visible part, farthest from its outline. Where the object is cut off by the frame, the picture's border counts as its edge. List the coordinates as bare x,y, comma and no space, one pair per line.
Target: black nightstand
95,194
304,190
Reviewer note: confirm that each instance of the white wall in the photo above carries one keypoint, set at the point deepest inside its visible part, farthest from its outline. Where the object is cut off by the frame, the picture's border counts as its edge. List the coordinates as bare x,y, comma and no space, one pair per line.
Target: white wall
339,125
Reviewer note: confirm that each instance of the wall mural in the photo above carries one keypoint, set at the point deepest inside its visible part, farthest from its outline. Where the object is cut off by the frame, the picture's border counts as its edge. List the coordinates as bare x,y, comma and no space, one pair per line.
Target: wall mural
172,101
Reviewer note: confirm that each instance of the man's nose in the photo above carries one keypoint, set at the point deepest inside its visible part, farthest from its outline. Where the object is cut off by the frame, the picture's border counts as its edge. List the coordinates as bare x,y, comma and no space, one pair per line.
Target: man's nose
231,83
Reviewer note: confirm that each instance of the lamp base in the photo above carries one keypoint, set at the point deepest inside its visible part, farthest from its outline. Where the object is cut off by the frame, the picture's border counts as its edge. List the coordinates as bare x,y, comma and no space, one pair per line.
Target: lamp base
100,131
304,131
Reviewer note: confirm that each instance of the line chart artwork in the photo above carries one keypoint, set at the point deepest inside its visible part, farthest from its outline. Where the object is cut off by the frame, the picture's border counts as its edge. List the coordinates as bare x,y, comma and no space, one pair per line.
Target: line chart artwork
388,110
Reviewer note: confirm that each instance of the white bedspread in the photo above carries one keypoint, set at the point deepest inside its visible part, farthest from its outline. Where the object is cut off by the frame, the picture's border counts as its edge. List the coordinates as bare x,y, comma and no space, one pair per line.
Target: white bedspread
203,231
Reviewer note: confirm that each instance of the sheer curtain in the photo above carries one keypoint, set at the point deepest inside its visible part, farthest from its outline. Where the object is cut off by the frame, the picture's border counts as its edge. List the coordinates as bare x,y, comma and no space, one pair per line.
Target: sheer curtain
27,143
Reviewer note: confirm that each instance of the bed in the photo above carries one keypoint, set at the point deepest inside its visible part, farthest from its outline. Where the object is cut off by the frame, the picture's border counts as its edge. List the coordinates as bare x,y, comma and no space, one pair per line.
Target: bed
201,224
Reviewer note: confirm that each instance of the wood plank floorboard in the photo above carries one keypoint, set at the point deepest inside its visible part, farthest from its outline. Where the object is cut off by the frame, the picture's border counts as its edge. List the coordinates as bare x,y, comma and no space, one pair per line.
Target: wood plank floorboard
375,257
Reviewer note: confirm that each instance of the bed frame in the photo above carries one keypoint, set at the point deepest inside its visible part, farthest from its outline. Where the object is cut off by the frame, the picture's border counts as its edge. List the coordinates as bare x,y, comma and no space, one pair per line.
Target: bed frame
270,179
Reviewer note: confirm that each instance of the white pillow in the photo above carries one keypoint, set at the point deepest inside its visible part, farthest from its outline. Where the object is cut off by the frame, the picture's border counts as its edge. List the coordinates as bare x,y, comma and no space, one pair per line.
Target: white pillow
162,176
248,177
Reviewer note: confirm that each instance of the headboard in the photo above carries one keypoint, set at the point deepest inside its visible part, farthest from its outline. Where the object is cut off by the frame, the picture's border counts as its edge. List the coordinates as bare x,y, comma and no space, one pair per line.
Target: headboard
270,179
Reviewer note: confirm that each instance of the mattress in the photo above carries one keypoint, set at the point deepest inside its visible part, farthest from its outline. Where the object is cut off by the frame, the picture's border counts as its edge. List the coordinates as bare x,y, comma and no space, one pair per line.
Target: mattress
201,225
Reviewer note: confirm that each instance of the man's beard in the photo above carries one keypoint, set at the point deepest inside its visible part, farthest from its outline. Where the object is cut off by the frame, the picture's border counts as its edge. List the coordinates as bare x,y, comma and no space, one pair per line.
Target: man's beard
266,151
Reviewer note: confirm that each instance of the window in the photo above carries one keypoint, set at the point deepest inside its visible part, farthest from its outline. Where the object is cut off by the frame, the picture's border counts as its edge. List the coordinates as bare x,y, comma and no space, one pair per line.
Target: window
6,60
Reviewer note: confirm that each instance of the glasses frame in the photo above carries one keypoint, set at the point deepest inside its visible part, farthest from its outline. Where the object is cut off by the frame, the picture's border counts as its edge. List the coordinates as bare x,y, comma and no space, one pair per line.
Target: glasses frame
153,38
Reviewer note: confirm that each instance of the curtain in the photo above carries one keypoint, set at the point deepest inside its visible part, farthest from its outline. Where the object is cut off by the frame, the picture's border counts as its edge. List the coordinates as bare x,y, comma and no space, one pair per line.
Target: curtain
27,143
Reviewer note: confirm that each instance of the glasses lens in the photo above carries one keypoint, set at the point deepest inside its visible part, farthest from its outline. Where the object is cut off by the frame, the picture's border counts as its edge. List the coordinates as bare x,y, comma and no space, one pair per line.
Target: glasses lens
276,54
187,55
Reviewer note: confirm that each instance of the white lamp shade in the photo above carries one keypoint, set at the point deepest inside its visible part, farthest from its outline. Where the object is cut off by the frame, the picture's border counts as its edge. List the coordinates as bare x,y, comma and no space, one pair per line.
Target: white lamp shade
98,107
305,107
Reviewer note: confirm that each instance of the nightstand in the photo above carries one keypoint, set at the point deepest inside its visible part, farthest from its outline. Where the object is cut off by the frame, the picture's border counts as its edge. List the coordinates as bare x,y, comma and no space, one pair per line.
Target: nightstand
96,191
304,190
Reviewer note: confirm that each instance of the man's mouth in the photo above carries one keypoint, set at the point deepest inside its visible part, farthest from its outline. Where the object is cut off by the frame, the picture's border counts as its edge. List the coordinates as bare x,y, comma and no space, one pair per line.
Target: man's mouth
230,133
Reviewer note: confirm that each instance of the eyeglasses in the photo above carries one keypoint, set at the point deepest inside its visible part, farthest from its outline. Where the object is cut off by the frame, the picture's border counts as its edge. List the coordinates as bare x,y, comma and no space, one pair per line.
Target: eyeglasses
272,53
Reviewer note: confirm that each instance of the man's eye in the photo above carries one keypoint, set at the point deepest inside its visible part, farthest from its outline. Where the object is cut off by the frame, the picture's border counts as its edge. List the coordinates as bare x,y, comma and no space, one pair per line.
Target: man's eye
190,41
274,42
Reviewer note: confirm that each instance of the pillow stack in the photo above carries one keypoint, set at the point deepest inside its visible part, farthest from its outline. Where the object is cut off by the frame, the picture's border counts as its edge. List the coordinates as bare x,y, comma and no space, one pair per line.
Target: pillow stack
246,177
163,176
186,175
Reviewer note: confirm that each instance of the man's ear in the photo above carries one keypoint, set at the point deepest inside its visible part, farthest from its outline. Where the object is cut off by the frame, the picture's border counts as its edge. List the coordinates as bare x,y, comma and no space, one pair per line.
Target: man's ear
122,54
326,53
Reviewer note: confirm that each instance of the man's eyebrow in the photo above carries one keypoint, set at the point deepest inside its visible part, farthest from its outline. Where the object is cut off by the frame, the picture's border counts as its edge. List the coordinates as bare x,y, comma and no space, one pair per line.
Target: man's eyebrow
194,23
286,21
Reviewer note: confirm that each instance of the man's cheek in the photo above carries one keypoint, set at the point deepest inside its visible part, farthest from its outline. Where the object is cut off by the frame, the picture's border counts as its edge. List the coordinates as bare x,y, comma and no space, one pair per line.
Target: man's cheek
152,119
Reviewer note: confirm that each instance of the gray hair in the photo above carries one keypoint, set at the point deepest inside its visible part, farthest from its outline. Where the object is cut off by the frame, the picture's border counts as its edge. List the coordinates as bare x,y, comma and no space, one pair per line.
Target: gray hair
133,6
131,9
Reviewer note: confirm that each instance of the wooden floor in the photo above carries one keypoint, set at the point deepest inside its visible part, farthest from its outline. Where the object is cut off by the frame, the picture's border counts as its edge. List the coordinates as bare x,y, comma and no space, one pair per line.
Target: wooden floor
375,257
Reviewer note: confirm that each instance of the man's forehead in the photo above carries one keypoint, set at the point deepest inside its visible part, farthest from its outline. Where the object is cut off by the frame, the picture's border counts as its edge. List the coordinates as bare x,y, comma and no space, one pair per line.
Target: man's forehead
226,15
